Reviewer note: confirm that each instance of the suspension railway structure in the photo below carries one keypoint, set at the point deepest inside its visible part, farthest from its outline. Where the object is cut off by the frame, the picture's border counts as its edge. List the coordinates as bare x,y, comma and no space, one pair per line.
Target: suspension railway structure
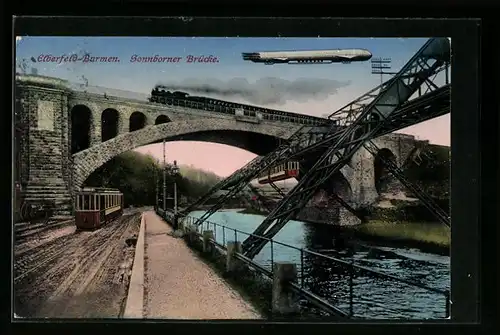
382,110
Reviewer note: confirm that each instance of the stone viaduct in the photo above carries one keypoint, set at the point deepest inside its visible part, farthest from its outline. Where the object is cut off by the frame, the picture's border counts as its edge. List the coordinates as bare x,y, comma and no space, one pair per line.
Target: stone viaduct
63,135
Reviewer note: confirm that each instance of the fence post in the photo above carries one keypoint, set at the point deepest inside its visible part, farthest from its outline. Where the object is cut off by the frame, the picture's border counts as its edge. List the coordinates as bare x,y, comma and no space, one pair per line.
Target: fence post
223,236
207,244
284,301
190,233
232,263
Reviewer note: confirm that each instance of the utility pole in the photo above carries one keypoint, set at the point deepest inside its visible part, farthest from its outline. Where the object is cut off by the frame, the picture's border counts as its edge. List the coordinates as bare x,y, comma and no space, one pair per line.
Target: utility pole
379,65
175,187
164,179
157,191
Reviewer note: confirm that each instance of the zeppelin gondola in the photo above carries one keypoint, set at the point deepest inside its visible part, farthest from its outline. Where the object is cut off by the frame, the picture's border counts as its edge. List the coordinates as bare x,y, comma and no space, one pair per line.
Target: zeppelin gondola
280,172
95,207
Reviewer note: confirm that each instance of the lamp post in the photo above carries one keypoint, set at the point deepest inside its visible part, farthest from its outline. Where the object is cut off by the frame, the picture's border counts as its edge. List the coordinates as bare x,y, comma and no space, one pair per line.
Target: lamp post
175,171
157,190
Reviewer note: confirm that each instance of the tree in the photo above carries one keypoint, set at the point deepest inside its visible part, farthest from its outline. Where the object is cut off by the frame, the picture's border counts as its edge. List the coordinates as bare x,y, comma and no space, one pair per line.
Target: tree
134,174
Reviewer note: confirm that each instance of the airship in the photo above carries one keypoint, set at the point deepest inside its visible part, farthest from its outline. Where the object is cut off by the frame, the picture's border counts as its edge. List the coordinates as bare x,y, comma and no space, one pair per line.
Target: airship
308,57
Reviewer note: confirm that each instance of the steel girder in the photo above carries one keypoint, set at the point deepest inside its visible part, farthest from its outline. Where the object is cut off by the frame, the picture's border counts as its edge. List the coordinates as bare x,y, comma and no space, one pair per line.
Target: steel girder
424,108
277,189
428,106
234,178
239,180
417,191
363,122
261,198
337,198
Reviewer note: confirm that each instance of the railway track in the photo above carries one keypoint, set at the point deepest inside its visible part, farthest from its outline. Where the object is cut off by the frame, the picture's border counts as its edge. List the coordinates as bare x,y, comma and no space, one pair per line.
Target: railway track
31,259
50,277
90,264
25,230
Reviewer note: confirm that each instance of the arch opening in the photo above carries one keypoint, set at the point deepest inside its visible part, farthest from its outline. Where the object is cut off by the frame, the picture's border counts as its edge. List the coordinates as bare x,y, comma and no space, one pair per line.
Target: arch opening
385,182
162,119
337,185
137,121
341,187
109,124
81,118
255,140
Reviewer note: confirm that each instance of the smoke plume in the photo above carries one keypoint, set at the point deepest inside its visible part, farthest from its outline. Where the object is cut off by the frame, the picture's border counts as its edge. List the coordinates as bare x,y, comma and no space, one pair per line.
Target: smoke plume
262,92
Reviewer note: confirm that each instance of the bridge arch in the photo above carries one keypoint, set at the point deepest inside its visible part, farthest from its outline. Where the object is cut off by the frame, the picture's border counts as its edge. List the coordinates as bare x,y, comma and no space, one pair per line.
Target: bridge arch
110,120
81,124
162,119
137,121
87,161
385,182
341,186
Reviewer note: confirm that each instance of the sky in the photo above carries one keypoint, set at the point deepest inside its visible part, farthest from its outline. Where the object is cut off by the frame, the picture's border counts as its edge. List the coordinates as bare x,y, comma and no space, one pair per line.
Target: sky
317,90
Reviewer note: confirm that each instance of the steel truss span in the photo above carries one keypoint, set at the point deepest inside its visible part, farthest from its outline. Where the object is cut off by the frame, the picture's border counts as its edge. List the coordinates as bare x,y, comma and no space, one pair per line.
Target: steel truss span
423,108
384,109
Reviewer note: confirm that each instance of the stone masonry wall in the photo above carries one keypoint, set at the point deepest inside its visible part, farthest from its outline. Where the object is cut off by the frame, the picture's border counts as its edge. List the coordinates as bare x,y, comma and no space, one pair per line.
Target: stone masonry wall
43,116
360,171
47,130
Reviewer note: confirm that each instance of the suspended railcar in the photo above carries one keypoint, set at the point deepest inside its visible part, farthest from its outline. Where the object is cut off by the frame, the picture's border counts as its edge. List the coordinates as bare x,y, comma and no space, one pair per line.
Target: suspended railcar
280,172
94,207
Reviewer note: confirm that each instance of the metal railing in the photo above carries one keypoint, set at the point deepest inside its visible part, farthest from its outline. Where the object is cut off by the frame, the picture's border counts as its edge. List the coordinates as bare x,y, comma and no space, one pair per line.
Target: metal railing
304,285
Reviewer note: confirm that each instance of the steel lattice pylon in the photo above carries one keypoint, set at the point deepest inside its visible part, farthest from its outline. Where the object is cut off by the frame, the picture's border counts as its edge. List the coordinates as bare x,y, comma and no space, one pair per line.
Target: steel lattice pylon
363,123
357,125
431,105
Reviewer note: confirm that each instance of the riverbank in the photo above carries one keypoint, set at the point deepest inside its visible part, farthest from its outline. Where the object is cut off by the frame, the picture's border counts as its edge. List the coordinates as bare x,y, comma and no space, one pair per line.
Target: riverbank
428,237
180,285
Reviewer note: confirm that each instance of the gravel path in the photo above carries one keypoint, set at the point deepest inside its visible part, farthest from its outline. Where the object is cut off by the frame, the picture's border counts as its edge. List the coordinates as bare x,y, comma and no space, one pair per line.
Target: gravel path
181,286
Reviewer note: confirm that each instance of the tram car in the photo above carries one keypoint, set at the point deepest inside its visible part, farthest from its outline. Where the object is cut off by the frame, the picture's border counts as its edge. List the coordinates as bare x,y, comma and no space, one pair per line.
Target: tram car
94,207
280,172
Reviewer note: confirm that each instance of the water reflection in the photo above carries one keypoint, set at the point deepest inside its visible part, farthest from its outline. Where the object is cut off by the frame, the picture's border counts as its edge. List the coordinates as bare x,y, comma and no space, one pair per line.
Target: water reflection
373,297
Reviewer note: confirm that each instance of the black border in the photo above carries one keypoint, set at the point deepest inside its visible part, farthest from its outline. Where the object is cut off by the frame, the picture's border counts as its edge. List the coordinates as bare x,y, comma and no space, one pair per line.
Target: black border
465,123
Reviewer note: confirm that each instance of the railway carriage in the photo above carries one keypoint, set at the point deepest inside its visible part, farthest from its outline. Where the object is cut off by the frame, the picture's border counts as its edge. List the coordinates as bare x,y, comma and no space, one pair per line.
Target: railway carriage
94,207
280,172
159,94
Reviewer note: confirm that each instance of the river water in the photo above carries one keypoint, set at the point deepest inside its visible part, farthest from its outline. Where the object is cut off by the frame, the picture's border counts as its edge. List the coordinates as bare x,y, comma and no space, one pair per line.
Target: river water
373,297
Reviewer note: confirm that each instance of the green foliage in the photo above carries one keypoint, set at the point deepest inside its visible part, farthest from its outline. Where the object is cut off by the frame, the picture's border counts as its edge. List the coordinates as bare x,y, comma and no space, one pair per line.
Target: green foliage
433,174
137,176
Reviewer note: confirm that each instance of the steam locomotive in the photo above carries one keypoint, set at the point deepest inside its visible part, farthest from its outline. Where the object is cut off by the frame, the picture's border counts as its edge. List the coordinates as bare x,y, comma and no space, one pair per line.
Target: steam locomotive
159,94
